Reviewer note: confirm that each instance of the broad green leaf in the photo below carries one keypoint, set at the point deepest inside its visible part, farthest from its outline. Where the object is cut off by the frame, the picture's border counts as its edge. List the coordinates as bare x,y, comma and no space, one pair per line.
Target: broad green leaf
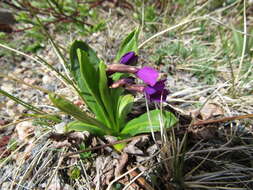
141,124
71,109
106,96
130,43
117,76
89,62
92,57
115,94
82,126
125,105
90,78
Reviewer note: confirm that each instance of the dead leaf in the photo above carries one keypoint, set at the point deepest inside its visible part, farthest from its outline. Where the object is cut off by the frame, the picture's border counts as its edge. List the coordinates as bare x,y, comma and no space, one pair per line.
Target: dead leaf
3,146
121,164
204,132
104,165
131,148
61,144
210,110
20,157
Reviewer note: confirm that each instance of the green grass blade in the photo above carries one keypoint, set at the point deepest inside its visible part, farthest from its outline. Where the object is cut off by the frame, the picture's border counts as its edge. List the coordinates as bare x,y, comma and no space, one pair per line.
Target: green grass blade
21,102
71,109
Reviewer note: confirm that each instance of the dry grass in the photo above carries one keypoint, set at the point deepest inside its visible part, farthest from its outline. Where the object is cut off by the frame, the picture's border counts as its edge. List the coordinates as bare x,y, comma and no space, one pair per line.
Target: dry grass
216,156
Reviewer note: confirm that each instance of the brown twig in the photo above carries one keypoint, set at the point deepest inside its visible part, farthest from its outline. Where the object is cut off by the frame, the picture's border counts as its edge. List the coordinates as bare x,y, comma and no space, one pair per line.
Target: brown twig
222,120
102,146
7,2
140,180
60,17
46,24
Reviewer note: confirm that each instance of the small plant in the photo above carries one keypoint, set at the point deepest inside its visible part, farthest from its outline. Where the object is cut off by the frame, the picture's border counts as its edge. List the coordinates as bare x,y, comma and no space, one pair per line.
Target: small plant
105,89
58,16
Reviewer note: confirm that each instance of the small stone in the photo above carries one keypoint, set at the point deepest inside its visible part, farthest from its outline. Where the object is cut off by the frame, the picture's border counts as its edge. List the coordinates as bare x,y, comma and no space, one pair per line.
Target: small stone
47,79
59,128
29,81
20,108
8,87
24,130
10,103
18,71
67,187
55,184
10,108
2,121
6,185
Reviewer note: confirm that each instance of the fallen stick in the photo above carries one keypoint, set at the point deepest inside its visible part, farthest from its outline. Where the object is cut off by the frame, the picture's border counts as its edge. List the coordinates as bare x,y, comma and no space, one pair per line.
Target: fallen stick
102,146
221,120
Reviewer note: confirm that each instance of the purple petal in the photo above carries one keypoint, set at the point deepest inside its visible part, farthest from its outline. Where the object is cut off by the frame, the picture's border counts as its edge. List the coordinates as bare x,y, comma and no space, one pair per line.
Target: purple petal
159,96
129,58
157,93
160,85
149,90
148,75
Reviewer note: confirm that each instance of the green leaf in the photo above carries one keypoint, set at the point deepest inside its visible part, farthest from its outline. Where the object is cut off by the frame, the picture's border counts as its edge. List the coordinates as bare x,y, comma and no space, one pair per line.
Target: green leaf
75,173
75,68
87,78
71,109
106,96
90,76
120,147
81,126
54,118
130,43
117,76
141,124
84,155
125,105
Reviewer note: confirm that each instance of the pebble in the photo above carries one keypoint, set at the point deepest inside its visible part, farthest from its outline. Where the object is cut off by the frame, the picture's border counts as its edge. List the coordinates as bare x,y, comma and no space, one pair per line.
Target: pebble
24,129
6,186
47,79
8,87
59,128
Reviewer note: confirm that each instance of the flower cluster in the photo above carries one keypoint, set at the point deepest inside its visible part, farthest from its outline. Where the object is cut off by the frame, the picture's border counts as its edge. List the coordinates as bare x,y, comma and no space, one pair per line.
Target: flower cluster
152,87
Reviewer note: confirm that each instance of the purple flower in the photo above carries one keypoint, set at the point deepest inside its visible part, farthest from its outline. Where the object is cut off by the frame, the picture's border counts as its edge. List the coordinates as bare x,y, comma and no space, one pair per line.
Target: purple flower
129,58
157,93
148,74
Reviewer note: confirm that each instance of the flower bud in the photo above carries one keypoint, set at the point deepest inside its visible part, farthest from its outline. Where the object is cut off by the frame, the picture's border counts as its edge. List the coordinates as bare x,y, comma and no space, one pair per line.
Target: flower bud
136,88
129,58
121,68
122,82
